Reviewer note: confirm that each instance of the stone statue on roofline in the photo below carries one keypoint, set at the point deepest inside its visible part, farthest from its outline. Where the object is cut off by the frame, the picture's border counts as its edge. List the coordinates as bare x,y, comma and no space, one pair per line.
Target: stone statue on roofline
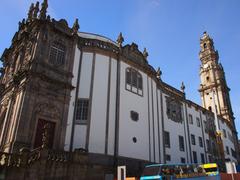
30,13
36,10
145,53
76,26
183,87
120,39
159,73
20,24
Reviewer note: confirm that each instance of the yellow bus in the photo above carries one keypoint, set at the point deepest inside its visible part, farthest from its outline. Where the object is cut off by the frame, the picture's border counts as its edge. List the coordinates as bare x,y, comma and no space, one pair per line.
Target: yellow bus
211,169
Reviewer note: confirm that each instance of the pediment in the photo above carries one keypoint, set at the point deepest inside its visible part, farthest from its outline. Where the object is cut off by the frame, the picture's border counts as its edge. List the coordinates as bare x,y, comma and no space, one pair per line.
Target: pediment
132,52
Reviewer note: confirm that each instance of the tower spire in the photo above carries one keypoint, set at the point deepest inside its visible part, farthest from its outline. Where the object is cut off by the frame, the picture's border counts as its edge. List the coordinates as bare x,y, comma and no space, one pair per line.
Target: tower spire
30,13
43,10
36,10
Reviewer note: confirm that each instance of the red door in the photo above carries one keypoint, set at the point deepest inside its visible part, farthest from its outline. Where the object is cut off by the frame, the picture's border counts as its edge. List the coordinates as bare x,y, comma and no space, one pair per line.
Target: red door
40,130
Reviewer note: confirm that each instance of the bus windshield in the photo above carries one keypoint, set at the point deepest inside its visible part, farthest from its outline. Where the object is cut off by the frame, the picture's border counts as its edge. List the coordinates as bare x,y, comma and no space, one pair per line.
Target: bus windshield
211,169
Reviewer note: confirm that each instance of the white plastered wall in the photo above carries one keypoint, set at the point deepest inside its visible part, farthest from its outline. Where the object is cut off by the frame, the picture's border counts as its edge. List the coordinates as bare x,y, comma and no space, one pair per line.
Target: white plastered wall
129,128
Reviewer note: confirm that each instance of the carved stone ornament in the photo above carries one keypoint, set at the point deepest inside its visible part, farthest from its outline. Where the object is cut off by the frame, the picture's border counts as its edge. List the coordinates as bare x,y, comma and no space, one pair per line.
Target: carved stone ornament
159,73
36,10
145,53
134,115
43,10
76,26
174,110
132,52
183,87
30,13
120,39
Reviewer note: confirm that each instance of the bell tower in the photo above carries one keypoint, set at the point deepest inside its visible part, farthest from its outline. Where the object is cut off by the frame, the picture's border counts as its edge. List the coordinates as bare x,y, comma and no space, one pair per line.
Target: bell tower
213,85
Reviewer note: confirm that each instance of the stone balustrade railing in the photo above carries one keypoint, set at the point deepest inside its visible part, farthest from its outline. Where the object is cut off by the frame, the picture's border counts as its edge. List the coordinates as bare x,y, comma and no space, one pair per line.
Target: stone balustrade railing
26,157
7,159
61,156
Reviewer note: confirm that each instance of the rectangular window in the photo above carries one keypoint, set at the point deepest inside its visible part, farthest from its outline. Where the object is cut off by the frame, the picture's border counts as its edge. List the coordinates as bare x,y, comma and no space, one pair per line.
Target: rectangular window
233,153
167,139
128,76
224,133
134,81
195,157
190,119
227,150
168,157
200,141
183,160
198,122
202,158
193,139
57,53
208,145
82,110
230,137
181,143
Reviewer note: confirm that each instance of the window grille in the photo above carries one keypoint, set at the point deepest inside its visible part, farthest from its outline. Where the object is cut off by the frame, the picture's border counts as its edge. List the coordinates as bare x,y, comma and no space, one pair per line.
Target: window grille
82,110
57,54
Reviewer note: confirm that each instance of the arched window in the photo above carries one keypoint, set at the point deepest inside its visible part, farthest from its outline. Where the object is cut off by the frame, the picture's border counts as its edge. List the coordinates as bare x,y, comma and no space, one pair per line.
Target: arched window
134,81
204,45
210,108
57,53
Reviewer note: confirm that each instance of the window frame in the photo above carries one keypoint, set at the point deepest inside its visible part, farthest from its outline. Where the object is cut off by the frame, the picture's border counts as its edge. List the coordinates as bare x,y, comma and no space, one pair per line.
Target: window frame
195,159
227,150
202,156
57,53
183,160
190,118
208,144
130,82
167,144
200,140
181,143
168,157
198,122
224,133
82,121
193,140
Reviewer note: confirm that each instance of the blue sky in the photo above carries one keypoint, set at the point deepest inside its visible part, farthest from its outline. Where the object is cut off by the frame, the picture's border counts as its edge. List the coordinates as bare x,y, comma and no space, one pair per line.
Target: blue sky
169,29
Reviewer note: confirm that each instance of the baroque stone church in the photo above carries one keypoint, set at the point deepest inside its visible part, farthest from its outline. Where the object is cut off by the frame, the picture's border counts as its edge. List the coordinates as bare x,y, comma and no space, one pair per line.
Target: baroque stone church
76,105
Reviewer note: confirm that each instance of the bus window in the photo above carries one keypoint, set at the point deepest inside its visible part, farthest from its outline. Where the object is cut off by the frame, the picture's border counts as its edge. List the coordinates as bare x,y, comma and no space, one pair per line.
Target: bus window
150,170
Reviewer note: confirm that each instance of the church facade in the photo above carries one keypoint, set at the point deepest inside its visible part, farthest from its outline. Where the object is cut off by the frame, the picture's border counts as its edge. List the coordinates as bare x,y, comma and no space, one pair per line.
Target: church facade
104,98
